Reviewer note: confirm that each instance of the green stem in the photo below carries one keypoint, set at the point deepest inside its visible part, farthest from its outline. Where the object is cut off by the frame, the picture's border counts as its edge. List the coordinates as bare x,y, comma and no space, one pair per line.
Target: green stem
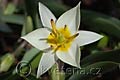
57,72
61,75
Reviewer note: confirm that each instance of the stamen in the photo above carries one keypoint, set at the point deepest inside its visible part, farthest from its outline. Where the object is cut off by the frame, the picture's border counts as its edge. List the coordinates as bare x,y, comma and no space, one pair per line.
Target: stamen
53,25
57,48
65,27
54,30
52,41
51,46
52,35
43,39
73,36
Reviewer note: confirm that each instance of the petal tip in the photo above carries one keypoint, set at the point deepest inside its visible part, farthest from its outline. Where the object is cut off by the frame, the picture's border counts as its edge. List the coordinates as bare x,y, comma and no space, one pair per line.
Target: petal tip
45,15
37,76
78,66
23,37
39,3
39,73
100,36
79,3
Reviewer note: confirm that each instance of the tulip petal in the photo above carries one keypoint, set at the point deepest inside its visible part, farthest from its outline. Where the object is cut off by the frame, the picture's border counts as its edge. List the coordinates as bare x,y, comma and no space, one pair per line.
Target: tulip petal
87,37
46,62
70,18
46,15
34,38
69,56
75,53
78,55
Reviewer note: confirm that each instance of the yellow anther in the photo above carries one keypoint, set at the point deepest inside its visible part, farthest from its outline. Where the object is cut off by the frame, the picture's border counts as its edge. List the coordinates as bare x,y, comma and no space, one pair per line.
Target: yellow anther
52,34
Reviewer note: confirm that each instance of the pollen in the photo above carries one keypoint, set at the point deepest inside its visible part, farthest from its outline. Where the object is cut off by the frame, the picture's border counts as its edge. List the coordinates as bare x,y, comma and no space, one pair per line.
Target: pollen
60,38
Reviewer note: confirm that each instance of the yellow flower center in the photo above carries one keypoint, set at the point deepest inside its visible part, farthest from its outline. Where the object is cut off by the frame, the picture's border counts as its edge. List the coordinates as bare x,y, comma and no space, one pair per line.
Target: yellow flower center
60,39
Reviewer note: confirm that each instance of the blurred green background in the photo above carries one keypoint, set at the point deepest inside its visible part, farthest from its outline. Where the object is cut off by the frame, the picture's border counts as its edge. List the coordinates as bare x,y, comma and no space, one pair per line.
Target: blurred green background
19,17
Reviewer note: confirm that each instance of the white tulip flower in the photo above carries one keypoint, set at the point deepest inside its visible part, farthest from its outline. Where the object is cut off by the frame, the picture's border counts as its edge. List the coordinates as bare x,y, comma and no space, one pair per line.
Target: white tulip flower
60,38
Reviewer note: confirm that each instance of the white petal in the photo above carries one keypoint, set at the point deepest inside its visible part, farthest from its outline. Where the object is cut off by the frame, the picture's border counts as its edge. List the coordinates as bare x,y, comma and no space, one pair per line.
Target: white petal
70,18
72,50
46,62
75,53
69,57
87,37
34,38
78,55
46,15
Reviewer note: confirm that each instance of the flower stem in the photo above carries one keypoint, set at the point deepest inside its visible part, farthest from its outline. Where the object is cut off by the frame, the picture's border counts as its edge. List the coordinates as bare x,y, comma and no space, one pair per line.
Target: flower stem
57,72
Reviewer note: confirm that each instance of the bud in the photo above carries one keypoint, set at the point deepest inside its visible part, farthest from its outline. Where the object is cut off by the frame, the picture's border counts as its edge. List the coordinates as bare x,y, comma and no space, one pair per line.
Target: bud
6,62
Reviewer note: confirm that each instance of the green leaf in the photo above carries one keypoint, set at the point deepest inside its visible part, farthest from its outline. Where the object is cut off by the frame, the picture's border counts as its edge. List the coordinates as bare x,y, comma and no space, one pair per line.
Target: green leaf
28,26
32,57
93,70
101,23
113,55
36,60
103,42
15,19
5,28
10,9
31,7
31,10
29,62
